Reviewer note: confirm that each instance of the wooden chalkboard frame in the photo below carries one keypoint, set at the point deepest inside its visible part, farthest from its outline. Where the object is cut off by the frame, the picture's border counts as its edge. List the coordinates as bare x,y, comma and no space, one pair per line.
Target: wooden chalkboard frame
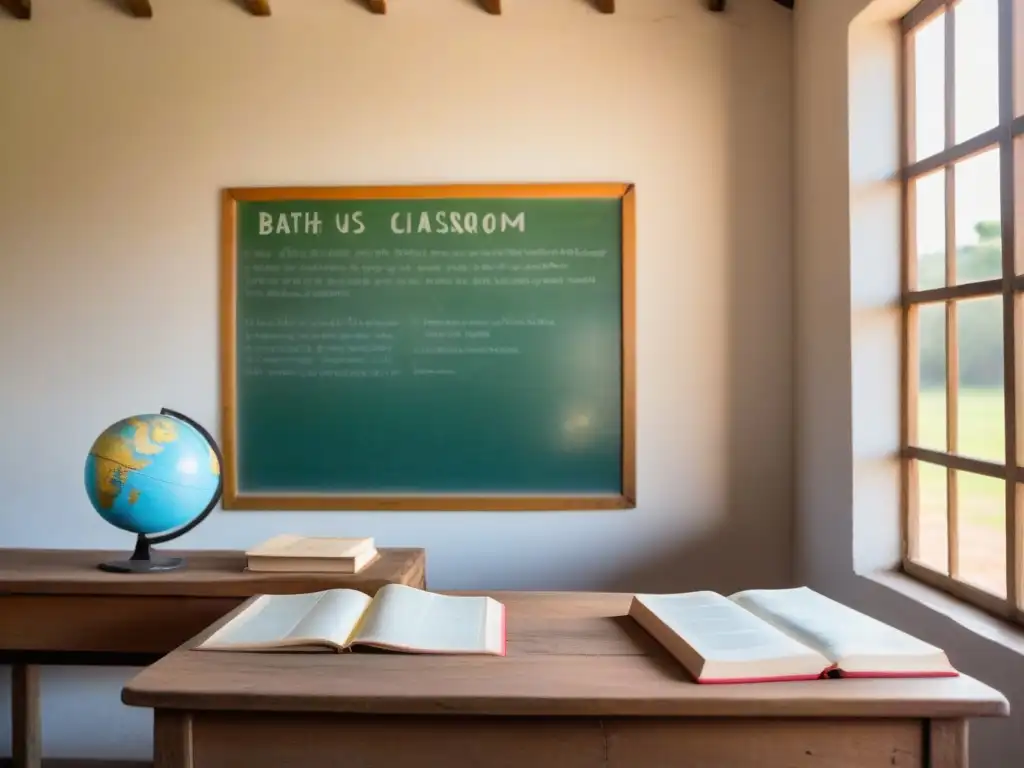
234,499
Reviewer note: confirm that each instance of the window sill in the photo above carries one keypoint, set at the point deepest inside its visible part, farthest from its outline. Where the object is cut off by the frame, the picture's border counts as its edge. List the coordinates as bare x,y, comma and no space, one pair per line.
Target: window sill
1000,631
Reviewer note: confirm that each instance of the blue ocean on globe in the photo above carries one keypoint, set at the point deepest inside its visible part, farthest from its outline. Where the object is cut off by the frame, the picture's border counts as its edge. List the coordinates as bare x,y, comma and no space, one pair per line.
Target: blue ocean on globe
151,473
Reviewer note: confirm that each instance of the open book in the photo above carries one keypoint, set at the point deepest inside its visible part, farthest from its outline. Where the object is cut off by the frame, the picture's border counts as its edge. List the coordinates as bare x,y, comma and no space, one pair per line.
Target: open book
762,635
397,618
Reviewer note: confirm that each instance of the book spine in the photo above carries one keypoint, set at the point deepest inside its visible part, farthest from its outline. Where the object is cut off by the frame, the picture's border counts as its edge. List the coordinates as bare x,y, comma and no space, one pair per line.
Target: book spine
745,680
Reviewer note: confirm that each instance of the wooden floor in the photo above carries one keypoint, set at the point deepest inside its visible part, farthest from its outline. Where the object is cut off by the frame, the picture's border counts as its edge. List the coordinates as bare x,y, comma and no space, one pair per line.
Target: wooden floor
5,762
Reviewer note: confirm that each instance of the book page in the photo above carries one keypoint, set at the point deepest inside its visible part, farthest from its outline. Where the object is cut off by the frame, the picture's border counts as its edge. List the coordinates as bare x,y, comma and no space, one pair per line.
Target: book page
724,634
849,638
291,620
410,619
335,615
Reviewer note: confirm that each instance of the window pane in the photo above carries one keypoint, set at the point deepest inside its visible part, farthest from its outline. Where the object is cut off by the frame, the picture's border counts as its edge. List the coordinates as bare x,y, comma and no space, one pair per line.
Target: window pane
932,528
976,80
1018,57
978,246
931,398
1019,574
1018,360
1018,182
930,229
980,417
929,51
981,531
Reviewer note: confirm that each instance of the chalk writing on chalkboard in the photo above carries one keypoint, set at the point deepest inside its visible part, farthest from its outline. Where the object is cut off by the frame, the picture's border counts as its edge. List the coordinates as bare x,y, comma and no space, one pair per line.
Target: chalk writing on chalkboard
455,347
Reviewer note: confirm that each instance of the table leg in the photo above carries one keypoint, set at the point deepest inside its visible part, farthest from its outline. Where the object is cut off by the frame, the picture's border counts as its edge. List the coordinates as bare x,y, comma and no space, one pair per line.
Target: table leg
26,724
947,744
172,739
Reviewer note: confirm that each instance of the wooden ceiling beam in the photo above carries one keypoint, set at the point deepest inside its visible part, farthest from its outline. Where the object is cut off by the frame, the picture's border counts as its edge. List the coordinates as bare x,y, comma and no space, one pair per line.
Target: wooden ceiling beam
378,6
142,9
258,7
719,5
492,6
19,9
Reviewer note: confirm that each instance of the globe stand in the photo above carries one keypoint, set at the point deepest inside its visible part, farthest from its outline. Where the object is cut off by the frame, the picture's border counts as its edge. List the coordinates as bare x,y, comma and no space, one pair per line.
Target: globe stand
142,559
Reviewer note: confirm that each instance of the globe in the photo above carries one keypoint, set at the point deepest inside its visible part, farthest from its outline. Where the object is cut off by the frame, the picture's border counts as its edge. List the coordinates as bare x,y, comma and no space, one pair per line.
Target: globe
156,475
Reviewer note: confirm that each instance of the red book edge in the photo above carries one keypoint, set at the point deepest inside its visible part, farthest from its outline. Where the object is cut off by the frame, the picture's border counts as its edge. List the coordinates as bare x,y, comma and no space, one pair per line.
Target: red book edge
940,673
504,637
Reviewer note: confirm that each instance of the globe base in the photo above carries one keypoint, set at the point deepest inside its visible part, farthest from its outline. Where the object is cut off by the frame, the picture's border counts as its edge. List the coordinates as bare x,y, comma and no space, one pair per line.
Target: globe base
142,566
142,560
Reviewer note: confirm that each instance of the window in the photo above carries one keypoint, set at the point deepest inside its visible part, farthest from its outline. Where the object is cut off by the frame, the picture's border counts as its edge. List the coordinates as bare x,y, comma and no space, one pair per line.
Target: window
963,362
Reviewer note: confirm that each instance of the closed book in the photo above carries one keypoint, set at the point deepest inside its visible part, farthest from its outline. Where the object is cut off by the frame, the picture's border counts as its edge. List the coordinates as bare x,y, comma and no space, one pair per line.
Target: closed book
292,553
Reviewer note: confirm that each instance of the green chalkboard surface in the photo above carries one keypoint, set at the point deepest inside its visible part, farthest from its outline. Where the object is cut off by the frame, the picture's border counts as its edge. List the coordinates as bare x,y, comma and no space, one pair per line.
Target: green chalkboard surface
448,347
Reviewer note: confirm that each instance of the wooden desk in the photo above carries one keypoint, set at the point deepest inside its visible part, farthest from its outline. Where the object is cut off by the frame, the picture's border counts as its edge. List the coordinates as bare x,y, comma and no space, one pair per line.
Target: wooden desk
582,686
57,607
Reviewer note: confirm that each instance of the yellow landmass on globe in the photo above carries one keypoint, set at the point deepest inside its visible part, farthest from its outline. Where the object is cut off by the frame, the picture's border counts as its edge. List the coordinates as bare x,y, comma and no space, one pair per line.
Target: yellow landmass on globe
110,478
116,448
214,464
147,441
116,455
133,495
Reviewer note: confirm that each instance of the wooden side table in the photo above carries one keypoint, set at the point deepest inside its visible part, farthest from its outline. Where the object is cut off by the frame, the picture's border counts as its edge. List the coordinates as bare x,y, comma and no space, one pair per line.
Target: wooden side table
57,607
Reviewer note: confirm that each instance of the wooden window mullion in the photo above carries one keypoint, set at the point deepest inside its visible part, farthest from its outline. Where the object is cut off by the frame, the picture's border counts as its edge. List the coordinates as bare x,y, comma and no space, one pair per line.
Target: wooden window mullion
920,13
1010,304
910,357
952,357
952,392
961,463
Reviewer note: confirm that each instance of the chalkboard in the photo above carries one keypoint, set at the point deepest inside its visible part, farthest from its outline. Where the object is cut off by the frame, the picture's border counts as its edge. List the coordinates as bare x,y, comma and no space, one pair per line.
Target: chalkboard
428,347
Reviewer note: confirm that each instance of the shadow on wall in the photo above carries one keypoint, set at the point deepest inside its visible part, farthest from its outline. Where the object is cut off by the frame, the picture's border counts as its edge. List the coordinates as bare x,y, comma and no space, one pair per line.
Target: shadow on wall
716,562
119,7
759,314
754,535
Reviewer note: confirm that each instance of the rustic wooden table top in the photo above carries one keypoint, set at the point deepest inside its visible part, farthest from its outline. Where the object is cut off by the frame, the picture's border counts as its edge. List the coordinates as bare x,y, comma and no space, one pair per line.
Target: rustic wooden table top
568,654
207,573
